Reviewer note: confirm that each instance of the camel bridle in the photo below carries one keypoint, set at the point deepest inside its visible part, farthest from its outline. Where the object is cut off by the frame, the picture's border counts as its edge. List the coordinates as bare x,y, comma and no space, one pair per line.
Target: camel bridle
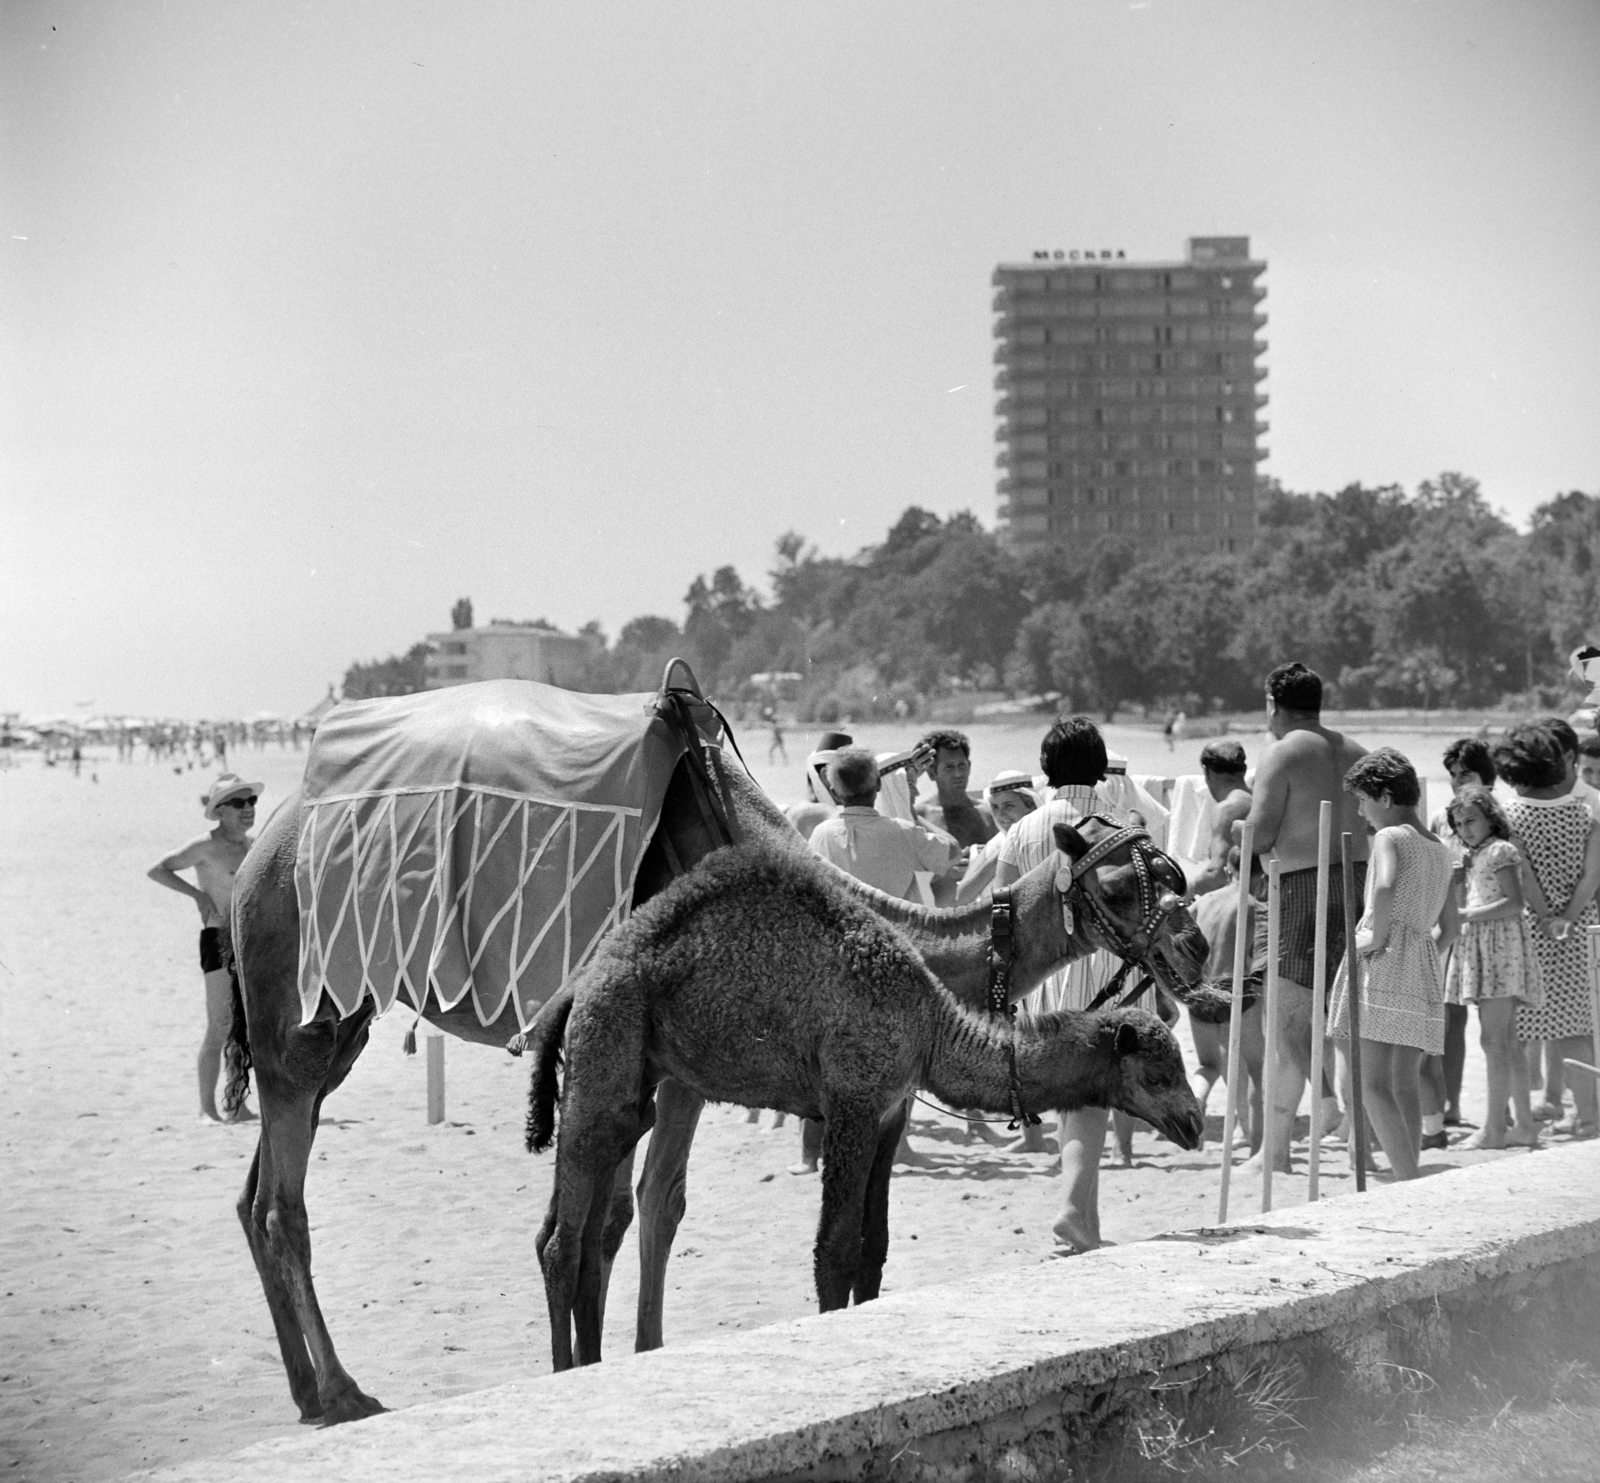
1155,906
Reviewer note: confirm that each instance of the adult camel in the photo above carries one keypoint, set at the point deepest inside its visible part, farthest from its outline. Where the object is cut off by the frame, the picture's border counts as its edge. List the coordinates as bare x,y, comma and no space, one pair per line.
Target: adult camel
759,979
298,1064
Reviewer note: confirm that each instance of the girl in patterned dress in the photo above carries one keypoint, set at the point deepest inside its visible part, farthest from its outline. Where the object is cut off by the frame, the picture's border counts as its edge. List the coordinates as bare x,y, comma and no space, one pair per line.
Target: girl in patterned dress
1402,986
1556,835
1494,964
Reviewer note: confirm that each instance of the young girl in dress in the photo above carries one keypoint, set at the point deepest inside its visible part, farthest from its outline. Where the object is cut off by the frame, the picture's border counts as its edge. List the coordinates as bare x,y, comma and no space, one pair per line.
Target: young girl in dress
1409,904
1494,964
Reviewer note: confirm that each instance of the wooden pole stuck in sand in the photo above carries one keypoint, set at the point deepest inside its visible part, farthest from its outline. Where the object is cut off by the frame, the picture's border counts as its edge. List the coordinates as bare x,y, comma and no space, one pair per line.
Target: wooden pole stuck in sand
435,1059
1319,1009
1269,1024
1247,839
1352,983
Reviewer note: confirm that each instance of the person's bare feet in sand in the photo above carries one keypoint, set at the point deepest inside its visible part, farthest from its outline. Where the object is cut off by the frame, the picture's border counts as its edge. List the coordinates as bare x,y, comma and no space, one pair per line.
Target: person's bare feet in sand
1483,1138
1330,1117
207,1120
1033,1140
805,1166
1252,1165
1075,1235
981,1131
1523,1137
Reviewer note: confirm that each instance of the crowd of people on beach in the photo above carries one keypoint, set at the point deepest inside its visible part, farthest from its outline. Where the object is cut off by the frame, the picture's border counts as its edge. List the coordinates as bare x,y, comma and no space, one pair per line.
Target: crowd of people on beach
1483,904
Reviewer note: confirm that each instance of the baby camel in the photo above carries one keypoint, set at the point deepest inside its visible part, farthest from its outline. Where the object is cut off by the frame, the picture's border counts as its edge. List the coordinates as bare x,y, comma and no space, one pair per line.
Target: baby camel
758,979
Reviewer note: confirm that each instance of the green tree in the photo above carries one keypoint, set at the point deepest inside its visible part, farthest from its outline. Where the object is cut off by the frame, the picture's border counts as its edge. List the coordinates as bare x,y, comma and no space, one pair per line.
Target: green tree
399,674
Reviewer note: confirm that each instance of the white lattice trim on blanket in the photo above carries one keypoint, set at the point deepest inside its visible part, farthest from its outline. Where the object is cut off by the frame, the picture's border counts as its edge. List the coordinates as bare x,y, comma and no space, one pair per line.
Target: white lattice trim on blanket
461,887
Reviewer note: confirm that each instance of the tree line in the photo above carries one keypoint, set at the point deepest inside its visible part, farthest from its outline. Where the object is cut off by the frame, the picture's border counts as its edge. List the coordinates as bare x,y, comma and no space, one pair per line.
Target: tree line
1424,599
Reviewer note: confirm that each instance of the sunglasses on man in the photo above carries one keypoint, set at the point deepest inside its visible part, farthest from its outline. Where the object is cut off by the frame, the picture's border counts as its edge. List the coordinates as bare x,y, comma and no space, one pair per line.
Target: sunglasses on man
248,802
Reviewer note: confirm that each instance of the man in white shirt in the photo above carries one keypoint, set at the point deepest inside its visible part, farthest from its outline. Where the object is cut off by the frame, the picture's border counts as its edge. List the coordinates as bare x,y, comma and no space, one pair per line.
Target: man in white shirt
1073,756
883,852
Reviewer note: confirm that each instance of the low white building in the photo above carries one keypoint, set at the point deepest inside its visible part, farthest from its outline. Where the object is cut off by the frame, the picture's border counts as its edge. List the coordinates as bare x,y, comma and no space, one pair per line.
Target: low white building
507,651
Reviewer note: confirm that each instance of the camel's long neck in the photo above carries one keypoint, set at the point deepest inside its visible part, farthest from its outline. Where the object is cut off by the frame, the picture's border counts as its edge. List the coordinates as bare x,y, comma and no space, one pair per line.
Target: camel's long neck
1056,1064
954,943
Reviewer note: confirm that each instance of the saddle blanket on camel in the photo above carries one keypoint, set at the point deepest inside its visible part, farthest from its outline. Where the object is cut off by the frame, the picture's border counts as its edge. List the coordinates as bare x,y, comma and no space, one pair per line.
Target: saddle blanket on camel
476,840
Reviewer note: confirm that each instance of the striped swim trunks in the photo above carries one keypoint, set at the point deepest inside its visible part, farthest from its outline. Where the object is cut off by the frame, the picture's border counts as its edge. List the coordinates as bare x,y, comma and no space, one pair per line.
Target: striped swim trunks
1297,926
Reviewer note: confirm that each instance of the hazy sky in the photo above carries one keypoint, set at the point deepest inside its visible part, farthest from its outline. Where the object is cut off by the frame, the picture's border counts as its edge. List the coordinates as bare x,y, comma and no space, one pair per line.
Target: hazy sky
319,316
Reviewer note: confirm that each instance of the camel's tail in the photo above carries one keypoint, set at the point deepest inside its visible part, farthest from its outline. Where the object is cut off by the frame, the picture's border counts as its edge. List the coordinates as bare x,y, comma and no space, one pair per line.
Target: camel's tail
236,1054
544,1043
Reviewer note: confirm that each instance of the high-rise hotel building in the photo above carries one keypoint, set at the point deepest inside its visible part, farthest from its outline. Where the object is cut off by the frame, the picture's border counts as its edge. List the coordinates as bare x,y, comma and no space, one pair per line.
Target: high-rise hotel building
1128,397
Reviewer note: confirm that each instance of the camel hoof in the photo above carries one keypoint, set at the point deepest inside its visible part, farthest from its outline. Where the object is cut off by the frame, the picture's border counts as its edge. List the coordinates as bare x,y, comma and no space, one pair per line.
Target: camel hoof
353,1405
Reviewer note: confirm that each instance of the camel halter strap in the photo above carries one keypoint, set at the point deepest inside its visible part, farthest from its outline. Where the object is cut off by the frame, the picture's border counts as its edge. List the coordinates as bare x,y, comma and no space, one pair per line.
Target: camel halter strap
1134,949
1002,949
1002,956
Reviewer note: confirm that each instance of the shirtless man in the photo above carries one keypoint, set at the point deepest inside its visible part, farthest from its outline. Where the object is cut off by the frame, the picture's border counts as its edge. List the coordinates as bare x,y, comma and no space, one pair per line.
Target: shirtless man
1304,767
215,858
968,823
1223,764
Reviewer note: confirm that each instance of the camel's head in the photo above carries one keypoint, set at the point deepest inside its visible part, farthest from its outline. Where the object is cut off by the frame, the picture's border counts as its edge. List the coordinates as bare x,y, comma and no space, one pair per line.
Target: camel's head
1128,897
1148,1079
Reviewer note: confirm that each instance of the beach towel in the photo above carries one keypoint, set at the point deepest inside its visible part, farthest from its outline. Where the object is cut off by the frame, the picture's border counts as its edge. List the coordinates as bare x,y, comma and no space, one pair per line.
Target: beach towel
1129,795
476,840
1194,815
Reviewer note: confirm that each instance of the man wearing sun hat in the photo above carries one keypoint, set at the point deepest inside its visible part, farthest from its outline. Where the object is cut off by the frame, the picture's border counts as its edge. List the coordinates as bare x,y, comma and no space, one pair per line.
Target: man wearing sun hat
215,859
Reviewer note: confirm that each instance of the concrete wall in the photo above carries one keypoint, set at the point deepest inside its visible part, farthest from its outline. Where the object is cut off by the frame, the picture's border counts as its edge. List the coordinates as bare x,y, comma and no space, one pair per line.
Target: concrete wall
1001,1377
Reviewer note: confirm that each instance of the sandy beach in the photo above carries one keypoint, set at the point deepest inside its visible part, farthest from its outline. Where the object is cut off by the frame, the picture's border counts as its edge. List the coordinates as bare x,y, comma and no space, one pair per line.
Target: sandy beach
133,1328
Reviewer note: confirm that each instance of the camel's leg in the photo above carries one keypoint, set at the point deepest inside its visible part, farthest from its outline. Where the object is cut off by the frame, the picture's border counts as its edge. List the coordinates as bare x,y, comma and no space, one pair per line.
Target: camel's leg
280,1212
663,1197
602,1117
849,1141
570,1247
588,1301
875,1208
291,1085
291,1341
551,1246
619,1216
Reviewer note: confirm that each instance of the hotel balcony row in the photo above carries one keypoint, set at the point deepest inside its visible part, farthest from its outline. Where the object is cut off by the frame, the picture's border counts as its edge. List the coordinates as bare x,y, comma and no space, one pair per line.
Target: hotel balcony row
1022,354
1031,364
1008,407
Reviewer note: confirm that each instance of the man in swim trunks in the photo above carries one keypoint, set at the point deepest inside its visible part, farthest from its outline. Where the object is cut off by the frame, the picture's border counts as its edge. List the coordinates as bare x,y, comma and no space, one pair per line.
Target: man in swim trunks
215,859
1303,768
